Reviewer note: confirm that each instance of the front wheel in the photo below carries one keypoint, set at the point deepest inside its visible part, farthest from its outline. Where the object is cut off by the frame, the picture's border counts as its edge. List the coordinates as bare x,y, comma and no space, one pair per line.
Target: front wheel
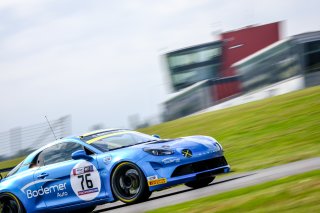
10,204
200,183
129,183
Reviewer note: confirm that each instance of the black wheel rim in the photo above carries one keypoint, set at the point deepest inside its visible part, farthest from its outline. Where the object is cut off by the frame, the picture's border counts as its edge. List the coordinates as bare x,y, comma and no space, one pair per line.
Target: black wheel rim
8,205
127,182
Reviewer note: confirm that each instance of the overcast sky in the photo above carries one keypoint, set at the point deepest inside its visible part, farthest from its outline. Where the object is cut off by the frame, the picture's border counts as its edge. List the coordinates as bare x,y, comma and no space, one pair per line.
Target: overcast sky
100,60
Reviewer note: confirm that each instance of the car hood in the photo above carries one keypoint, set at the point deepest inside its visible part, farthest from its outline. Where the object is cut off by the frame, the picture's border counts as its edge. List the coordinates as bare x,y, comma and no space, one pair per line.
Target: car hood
191,142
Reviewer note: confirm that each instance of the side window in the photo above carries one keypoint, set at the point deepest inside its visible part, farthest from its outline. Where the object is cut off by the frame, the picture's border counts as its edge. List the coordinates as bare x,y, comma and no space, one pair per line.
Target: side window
52,155
57,153
68,148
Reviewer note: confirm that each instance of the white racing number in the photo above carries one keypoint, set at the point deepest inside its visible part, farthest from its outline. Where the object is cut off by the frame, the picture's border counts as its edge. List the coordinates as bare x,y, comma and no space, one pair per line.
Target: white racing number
85,180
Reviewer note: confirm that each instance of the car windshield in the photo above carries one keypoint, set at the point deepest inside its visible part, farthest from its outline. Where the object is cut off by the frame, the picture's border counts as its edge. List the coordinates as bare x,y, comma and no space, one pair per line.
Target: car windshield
117,139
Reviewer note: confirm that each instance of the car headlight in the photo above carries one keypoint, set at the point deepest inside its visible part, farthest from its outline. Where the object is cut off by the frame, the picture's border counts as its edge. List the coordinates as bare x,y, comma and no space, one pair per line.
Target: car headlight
158,151
219,145
215,142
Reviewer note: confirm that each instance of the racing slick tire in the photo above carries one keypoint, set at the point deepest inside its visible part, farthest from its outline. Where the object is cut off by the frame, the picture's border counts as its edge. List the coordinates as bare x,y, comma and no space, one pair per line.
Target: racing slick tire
129,184
200,182
10,204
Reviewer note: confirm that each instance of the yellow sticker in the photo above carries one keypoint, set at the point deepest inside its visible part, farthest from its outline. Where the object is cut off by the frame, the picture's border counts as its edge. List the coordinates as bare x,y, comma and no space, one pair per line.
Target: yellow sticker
157,182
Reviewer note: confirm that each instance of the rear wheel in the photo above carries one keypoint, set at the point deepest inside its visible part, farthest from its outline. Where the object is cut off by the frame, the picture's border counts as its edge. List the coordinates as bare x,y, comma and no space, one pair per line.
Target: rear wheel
200,183
10,204
129,183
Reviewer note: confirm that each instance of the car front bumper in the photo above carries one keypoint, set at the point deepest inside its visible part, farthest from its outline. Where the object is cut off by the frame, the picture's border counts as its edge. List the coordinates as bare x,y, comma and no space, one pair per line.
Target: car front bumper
187,172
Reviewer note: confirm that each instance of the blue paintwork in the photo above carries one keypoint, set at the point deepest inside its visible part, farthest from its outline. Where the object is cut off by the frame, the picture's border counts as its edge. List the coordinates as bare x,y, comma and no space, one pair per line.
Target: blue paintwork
202,147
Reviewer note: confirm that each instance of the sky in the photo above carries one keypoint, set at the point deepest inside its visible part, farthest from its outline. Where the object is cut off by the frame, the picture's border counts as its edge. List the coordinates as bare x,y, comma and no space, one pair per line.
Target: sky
100,61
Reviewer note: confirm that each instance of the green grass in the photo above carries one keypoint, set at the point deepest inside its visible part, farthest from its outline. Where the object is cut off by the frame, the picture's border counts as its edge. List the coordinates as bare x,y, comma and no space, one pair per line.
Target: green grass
260,134
10,163
256,135
299,193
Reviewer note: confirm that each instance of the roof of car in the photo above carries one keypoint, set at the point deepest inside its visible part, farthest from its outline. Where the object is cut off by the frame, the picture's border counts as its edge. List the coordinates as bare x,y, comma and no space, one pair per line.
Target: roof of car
100,131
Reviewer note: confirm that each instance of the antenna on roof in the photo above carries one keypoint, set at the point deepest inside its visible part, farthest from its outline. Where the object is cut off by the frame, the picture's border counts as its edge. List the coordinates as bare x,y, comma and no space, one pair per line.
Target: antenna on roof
50,127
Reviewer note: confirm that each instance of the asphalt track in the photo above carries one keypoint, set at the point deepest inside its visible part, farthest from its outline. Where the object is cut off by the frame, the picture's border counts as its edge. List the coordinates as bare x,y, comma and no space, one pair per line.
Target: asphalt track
221,184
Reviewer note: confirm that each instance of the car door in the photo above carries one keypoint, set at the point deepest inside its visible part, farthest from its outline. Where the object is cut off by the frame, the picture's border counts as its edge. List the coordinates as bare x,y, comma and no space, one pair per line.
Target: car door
63,181
24,182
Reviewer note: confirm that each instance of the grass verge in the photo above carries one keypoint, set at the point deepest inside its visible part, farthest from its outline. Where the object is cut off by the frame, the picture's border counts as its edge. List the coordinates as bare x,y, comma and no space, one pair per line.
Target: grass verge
260,134
256,135
10,163
298,193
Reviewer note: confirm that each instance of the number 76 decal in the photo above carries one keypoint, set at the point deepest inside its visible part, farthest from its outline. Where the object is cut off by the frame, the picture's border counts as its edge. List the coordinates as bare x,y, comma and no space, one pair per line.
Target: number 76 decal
85,181
85,178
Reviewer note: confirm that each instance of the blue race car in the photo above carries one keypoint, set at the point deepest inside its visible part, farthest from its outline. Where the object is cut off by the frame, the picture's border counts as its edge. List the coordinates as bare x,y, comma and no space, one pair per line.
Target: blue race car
105,166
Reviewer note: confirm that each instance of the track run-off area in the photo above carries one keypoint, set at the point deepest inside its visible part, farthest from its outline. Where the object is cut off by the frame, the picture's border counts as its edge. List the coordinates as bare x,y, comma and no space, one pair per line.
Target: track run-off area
221,184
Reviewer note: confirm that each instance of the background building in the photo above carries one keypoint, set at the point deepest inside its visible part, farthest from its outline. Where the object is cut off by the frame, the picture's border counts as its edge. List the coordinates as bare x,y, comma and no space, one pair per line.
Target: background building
194,64
308,48
239,44
200,95
275,63
298,55
203,75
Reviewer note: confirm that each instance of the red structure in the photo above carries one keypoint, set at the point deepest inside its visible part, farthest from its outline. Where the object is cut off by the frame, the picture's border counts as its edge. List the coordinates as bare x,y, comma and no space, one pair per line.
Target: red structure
241,43
225,89
238,45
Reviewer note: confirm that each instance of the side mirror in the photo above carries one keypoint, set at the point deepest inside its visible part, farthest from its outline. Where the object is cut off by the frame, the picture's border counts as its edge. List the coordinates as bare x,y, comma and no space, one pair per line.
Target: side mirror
80,154
156,136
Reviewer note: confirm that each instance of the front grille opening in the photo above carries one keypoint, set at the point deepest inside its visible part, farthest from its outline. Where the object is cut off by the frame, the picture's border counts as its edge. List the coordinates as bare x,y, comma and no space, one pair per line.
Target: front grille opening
199,166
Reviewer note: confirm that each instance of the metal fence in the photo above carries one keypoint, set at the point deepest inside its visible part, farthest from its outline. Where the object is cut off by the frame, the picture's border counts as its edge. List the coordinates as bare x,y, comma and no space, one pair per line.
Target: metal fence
20,141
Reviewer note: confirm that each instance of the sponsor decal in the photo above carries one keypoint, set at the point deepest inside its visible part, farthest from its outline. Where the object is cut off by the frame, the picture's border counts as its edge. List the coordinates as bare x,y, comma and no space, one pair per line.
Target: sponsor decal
56,188
85,181
210,151
157,182
82,170
107,159
152,177
88,191
171,160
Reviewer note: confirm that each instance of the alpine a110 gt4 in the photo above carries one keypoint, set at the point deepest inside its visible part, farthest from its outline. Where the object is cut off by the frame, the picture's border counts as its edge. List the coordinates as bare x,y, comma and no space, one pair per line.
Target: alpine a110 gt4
82,172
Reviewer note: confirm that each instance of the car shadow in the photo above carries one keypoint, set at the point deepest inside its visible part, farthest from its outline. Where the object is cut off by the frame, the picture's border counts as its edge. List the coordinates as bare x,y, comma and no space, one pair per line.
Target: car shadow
172,193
